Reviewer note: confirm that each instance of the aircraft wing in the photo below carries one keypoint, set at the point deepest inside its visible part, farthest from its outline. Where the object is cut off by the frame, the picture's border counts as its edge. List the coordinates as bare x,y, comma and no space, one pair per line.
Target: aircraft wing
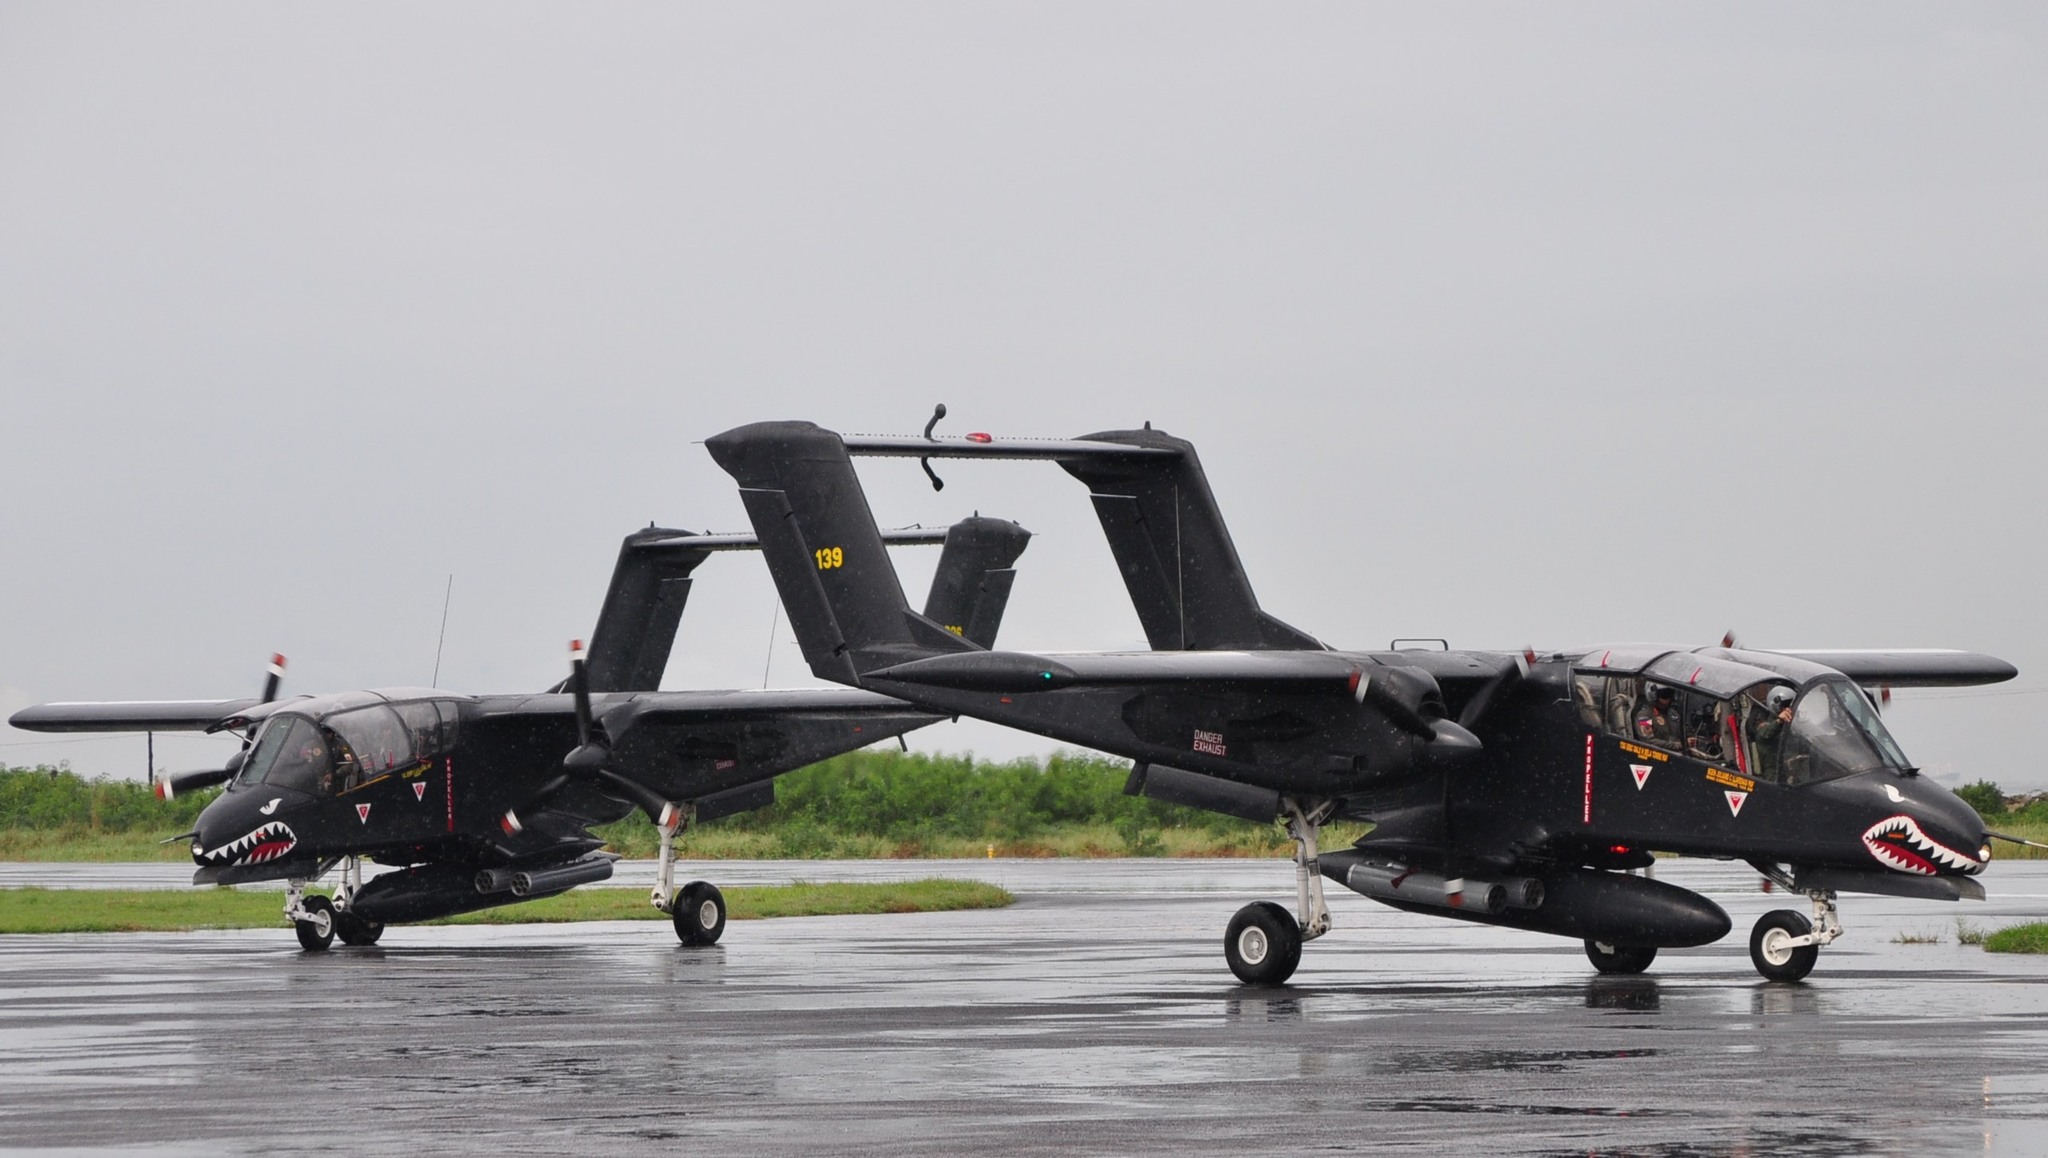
1911,667
686,707
1017,671
130,715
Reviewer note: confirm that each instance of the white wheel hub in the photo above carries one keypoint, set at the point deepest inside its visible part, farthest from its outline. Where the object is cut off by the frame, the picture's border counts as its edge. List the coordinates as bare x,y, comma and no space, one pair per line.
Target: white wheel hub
1774,946
707,915
1252,945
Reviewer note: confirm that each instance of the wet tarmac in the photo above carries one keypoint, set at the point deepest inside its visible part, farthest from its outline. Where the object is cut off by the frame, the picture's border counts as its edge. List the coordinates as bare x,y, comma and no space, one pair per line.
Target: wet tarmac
1082,1020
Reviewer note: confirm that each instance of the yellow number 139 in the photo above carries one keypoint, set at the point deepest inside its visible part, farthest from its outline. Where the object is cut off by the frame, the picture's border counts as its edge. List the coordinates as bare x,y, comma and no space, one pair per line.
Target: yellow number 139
830,557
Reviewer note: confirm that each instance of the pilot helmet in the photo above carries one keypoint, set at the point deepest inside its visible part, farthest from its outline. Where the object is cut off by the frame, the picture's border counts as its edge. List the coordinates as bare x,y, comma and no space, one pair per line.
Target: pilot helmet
1780,697
1663,691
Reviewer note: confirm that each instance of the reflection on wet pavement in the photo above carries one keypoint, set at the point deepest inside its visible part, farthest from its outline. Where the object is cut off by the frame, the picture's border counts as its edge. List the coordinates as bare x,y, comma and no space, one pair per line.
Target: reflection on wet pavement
1078,1020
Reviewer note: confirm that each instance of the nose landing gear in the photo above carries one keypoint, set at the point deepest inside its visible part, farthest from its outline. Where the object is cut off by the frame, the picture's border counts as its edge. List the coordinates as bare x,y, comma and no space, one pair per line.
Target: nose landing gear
1785,945
1263,942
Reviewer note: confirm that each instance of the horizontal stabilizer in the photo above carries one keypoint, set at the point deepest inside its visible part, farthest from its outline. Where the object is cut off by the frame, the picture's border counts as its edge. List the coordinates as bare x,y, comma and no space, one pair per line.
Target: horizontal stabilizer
984,446
636,628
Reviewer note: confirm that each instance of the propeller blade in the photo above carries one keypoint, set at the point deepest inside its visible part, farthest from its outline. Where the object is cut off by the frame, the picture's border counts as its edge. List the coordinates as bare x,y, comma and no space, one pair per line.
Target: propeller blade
579,687
169,787
1728,638
1483,701
275,677
511,823
591,759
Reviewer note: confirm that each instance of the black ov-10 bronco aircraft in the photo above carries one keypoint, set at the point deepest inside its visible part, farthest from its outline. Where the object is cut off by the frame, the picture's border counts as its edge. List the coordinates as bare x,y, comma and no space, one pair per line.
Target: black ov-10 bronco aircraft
1521,790
487,800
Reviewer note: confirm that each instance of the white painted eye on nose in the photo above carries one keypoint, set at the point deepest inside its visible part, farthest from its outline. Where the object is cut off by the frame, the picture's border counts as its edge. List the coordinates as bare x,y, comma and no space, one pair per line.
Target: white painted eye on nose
1894,794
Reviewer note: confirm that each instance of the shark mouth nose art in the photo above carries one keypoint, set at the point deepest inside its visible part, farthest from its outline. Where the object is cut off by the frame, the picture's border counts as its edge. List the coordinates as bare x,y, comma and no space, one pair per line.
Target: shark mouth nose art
267,843
1898,843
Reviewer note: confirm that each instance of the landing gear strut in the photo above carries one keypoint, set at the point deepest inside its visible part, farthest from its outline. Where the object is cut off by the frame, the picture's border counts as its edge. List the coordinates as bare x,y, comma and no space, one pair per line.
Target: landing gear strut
1784,945
698,908
353,930
1263,942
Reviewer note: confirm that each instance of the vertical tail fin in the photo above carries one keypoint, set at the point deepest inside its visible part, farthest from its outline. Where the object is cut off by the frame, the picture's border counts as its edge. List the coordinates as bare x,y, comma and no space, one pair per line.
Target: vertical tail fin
1185,579
822,547
636,629
972,585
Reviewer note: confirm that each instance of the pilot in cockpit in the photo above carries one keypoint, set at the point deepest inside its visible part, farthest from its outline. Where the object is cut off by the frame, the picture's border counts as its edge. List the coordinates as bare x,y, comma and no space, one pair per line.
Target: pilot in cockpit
1767,721
1657,720
344,773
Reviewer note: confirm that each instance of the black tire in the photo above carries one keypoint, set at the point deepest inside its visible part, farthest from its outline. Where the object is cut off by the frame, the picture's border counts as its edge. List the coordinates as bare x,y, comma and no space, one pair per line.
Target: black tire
317,934
1620,958
1774,961
353,930
1262,944
698,909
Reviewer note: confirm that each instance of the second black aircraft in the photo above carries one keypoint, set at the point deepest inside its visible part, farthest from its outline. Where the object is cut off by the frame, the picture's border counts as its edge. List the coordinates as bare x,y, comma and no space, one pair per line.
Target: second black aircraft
487,800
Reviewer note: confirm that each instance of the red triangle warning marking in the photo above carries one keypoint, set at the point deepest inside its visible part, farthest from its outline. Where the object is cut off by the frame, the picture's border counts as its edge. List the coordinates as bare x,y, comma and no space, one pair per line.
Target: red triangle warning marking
363,813
419,790
1642,774
1735,800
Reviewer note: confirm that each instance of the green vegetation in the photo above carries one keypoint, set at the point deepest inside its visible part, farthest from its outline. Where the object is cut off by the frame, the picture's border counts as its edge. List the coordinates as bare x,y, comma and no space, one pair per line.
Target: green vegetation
1969,933
54,814
1916,937
867,804
1985,797
125,911
2031,938
2021,816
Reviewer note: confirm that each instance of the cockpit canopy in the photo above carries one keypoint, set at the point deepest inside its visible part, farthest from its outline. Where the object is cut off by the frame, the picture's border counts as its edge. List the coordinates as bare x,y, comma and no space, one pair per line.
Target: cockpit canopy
1723,712
327,746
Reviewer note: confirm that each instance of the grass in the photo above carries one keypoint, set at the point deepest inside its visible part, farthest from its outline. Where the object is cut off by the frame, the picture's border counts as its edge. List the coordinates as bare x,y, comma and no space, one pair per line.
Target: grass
1916,937
2030,938
82,844
2028,827
1969,933
871,804
34,910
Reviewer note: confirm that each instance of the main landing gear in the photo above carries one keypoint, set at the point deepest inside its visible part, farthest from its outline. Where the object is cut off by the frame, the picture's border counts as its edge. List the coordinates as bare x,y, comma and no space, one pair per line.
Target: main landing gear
1263,941
698,908
1784,945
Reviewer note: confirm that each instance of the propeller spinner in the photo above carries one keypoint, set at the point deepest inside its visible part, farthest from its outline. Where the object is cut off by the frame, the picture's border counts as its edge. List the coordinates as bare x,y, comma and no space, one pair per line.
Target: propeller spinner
590,761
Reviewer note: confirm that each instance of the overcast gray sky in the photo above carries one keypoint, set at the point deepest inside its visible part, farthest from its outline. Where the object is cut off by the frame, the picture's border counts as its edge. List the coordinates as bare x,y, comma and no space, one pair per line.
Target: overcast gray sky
1512,324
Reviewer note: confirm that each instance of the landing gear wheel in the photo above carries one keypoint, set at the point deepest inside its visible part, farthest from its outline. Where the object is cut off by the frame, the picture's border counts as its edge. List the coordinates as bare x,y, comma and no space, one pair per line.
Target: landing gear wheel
1262,944
1620,958
353,930
317,934
699,911
1773,958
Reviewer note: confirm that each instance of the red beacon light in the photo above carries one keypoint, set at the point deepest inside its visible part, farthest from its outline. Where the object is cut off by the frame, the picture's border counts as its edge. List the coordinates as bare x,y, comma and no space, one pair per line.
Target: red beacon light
981,436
